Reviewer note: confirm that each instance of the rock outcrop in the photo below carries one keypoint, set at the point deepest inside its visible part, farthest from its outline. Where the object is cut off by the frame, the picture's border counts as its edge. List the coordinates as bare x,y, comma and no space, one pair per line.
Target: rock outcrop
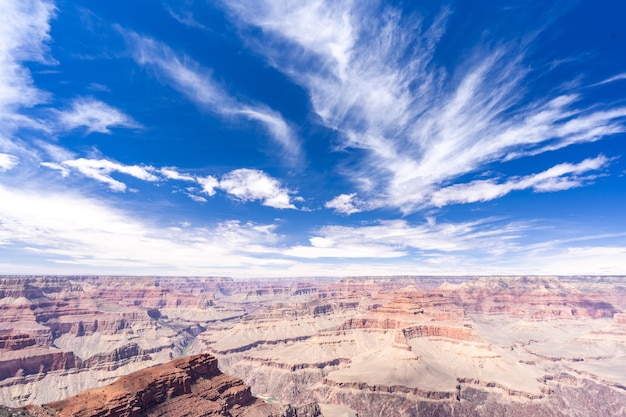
190,386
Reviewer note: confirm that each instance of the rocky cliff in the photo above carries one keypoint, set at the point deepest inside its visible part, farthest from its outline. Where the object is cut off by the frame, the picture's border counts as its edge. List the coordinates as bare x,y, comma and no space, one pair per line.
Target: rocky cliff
190,386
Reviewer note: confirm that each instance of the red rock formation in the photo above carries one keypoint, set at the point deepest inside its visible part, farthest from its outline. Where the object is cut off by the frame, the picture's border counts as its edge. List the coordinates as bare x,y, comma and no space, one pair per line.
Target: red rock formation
35,360
16,341
458,333
190,386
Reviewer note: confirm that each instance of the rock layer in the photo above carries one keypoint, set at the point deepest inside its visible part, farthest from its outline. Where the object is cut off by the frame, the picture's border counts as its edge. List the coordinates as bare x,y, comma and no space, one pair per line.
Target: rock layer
183,387
191,386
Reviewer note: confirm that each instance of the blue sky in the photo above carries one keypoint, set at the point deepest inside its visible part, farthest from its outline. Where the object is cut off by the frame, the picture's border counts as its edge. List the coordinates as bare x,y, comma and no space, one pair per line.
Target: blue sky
279,138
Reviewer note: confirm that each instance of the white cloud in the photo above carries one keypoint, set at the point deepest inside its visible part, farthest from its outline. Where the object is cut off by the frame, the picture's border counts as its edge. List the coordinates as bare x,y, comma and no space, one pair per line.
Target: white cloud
24,31
198,85
57,167
344,204
322,27
350,204
395,237
196,198
68,233
209,184
71,230
56,152
243,184
184,16
8,162
94,115
278,129
172,174
558,178
101,170
254,185
422,125
618,77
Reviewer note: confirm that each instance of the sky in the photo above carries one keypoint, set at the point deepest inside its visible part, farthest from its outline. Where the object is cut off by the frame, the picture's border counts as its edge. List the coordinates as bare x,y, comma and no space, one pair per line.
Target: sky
281,138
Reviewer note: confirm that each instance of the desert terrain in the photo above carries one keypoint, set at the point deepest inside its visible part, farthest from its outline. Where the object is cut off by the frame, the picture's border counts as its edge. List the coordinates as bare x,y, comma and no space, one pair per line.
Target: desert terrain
366,346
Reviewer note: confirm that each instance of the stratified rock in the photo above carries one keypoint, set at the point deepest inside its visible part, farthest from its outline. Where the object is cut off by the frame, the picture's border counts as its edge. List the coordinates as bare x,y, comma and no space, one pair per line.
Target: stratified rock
76,333
190,386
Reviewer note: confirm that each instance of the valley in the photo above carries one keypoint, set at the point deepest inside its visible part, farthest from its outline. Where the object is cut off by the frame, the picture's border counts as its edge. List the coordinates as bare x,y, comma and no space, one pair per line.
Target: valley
372,346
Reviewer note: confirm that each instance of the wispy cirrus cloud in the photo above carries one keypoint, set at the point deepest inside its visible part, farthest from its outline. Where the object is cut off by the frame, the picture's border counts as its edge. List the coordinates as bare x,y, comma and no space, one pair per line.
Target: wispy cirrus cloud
396,238
173,174
560,177
350,204
8,161
101,170
423,125
197,83
95,116
70,229
24,31
618,77
183,15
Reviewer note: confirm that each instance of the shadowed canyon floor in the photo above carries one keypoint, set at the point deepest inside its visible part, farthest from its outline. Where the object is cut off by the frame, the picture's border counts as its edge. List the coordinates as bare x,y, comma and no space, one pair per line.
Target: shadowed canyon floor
401,346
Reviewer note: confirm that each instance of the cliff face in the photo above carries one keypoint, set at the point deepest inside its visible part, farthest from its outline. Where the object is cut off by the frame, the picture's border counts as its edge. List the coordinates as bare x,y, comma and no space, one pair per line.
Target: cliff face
191,386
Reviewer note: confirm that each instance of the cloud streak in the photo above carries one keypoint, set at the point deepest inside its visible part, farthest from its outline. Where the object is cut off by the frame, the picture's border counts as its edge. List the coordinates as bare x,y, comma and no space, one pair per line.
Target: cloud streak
394,238
8,162
101,170
558,178
95,116
197,83
24,31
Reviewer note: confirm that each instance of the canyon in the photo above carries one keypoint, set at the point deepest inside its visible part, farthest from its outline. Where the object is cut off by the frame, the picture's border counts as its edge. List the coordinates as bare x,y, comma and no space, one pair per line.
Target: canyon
372,346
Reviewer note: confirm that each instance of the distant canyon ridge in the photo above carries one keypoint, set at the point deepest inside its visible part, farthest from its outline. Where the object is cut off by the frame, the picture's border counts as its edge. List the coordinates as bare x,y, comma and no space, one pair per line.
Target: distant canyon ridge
366,346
